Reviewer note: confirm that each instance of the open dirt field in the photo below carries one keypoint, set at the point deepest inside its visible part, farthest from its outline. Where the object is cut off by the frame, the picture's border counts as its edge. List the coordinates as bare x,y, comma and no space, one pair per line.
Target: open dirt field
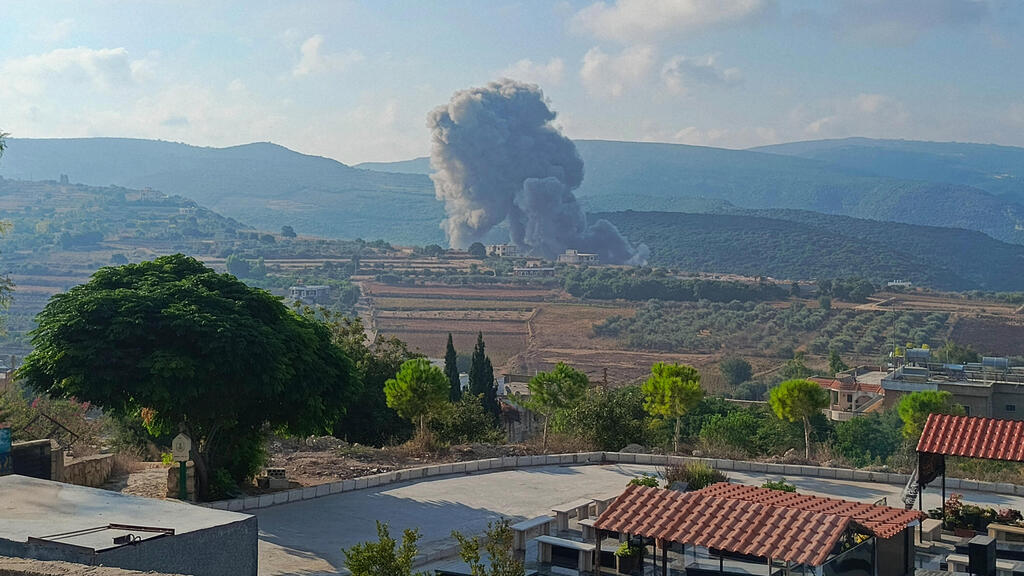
992,335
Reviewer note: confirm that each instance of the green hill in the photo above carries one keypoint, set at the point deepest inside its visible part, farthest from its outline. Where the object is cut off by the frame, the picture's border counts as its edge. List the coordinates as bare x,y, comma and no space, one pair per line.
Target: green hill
995,169
269,186
804,245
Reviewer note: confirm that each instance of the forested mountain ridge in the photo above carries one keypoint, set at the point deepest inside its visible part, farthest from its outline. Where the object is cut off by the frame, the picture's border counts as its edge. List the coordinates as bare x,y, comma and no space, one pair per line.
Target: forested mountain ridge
995,169
796,245
264,183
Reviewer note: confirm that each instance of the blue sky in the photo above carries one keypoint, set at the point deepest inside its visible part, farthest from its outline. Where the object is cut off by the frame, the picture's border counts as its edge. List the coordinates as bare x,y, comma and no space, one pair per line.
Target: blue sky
354,80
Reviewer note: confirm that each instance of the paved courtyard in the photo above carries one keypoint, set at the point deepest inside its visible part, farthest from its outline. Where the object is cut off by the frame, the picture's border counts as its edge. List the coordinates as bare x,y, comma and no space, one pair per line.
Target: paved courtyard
306,538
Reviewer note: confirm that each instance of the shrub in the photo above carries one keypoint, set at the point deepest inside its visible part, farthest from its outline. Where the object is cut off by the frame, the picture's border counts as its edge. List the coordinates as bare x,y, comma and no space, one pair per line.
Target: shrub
464,422
780,485
697,475
628,549
645,480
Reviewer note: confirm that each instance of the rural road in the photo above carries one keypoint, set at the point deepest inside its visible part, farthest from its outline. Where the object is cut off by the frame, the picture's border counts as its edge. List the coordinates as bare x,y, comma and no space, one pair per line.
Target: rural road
305,538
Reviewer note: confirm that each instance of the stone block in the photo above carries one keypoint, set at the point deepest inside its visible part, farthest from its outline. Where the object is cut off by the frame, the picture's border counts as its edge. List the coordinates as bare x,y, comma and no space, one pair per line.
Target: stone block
643,458
827,472
360,483
236,504
565,458
372,480
447,468
862,476
760,467
524,461
1005,488
337,487
741,466
471,466
218,505
968,485
843,474
265,500
508,461
348,485
627,458
952,483
774,469
791,470
459,468
323,490
279,497
250,503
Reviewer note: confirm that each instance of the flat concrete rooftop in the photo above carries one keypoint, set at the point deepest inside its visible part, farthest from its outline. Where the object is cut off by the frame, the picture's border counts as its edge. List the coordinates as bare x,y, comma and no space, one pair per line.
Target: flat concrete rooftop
36,508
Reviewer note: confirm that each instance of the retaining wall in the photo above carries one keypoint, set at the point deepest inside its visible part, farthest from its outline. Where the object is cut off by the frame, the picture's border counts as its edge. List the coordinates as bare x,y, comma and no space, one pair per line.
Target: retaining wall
589,458
89,470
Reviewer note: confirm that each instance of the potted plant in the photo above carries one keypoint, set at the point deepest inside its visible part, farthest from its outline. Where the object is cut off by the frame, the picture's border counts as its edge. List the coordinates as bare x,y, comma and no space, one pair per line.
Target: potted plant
628,557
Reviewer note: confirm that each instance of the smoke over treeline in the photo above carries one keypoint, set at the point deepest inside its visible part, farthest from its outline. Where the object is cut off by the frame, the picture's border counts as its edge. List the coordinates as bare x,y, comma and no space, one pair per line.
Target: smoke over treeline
496,158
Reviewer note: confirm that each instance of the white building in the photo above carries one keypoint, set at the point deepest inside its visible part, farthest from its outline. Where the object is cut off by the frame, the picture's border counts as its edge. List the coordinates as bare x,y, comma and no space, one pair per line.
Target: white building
310,294
576,257
503,250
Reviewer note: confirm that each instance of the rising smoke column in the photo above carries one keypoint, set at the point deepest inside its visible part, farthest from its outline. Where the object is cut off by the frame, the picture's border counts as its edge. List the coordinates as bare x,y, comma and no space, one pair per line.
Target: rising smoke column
496,158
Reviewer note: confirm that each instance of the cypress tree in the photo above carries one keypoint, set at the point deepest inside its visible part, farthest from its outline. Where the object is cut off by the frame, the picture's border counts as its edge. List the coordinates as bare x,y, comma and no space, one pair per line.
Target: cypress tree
481,377
451,370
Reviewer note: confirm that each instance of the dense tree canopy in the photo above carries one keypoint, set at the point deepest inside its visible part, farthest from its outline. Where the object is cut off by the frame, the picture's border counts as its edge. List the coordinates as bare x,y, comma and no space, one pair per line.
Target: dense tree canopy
672,391
915,407
735,370
481,377
451,370
418,389
556,390
188,347
797,401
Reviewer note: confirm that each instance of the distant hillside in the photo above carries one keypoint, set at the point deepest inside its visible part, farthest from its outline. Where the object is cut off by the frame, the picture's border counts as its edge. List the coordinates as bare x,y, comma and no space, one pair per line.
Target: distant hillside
270,186
650,176
802,245
415,166
995,169
263,184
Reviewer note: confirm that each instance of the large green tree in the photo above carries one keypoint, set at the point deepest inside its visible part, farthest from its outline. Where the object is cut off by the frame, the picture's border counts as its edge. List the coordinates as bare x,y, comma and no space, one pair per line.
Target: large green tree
368,420
735,370
418,389
451,370
194,350
551,392
671,391
915,407
481,377
797,401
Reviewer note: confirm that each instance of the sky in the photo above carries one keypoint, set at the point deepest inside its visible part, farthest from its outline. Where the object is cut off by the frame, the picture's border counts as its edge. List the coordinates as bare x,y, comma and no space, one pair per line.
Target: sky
354,81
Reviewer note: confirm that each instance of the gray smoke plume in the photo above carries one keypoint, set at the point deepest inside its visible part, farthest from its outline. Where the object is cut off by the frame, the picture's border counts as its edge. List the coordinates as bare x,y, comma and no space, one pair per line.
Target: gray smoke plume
496,157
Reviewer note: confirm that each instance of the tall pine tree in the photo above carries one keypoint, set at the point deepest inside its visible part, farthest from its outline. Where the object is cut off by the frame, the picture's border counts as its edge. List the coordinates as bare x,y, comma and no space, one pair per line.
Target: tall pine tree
481,377
451,370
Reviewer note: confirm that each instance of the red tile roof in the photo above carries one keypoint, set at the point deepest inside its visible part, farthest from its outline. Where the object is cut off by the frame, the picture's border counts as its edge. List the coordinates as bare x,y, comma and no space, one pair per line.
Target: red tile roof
749,520
733,525
973,437
880,521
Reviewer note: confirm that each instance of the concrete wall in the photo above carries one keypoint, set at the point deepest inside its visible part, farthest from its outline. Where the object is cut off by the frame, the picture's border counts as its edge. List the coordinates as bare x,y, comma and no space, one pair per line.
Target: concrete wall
89,470
585,458
226,550
38,459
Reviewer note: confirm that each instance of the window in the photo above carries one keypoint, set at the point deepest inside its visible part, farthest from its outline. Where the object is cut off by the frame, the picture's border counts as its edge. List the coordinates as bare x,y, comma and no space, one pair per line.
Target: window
849,398
1011,407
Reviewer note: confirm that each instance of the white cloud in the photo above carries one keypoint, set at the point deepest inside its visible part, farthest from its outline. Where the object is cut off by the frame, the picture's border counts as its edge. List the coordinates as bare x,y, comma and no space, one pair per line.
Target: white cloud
612,74
680,73
527,70
631,21
742,137
102,69
865,114
312,60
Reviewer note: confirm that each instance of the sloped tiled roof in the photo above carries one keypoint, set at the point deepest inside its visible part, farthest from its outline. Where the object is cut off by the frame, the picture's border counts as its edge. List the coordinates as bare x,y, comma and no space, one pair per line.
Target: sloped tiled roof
973,437
739,526
880,521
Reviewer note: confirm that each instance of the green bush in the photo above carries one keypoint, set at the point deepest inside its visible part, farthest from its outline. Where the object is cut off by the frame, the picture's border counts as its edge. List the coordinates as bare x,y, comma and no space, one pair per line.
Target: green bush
464,422
697,475
645,480
629,549
608,419
780,485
